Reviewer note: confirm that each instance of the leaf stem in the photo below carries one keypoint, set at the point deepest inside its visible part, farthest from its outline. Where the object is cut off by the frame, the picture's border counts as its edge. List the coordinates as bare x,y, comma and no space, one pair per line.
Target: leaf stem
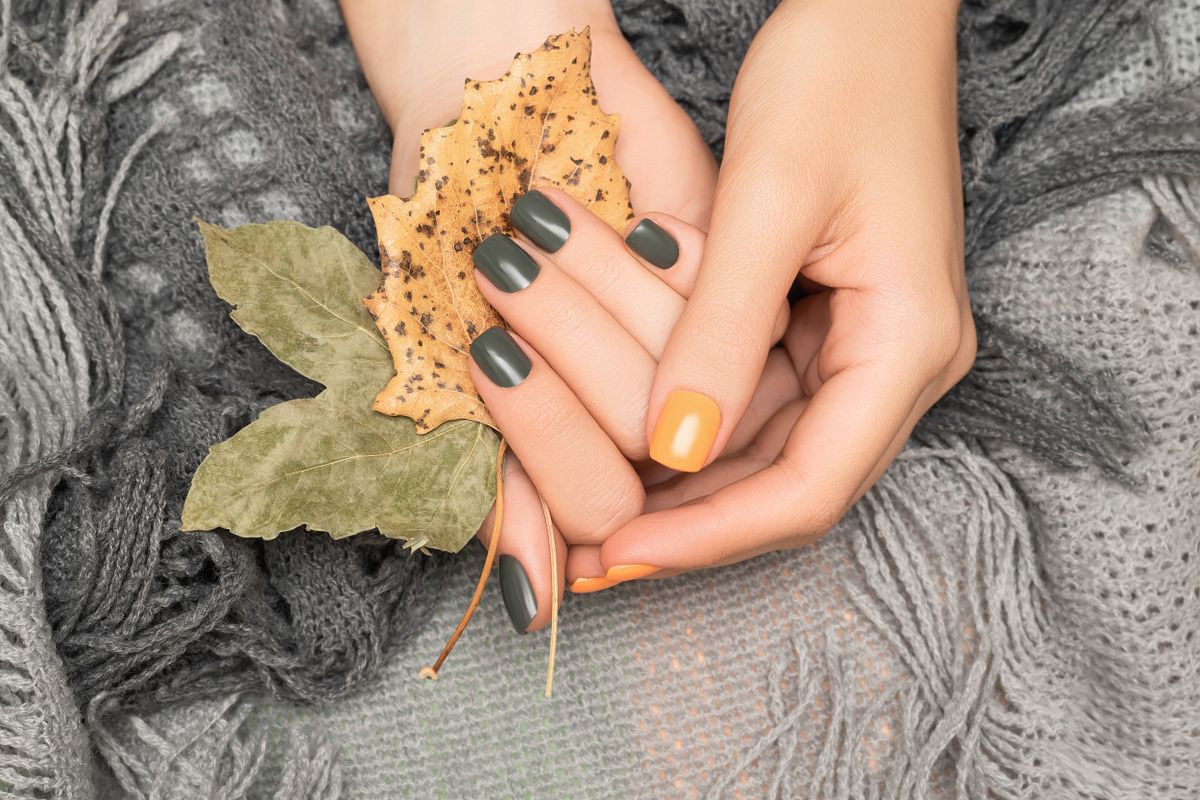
493,546
553,599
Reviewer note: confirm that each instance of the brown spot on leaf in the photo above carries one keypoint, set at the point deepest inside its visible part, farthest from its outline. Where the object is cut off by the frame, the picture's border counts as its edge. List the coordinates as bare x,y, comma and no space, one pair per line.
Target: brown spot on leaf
466,198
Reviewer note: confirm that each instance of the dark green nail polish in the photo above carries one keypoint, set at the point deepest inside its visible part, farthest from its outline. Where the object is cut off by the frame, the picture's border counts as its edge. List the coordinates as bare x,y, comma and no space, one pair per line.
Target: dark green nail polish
652,242
535,216
500,358
504,263
518,595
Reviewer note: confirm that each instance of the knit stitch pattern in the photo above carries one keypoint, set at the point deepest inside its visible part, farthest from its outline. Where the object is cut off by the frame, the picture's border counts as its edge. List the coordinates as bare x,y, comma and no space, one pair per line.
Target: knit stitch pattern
1011,612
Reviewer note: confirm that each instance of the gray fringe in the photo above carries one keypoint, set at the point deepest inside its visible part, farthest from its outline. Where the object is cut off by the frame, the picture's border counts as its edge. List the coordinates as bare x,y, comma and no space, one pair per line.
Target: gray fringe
96,408
61,384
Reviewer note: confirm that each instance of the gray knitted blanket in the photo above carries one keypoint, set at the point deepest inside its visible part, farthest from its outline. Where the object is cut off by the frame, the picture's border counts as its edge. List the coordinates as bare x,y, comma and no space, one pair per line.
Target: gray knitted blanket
1012,612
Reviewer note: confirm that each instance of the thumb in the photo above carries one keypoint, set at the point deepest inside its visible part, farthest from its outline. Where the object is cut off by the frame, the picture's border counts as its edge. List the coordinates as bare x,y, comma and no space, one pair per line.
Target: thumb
763,227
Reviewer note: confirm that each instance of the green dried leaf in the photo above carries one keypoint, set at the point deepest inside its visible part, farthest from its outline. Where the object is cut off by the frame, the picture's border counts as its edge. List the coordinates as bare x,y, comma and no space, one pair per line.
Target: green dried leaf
330,463
333,464
299,290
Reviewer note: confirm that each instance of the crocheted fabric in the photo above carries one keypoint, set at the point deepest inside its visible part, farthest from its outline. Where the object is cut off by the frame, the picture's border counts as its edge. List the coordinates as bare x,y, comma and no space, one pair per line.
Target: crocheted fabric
1012,611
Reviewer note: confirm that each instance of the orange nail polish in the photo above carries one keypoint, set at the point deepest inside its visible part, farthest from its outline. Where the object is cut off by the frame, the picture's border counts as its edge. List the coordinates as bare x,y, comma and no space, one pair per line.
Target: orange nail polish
585,585
685,431
628,572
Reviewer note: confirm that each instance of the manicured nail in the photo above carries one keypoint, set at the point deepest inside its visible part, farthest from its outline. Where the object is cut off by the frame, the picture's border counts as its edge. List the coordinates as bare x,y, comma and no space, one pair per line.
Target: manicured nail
500,358
629,572
518,595
685,431
585,585
504,263
652,242
543,222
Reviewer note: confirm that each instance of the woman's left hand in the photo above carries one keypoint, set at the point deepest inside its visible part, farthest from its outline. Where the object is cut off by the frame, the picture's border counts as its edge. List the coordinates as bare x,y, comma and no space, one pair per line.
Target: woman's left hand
841,174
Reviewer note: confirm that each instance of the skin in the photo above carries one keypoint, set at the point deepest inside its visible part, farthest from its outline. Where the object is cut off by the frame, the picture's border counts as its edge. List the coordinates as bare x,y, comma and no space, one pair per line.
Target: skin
415,57
841,174
850,182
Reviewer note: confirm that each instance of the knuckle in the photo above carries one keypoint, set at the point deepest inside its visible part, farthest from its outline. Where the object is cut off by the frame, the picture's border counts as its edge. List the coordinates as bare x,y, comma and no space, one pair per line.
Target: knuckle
782,319
800,539
561,320
632,443
810,380
935,338
943,332
823,508
624,421
548,413
826,515
724,340
757,454
603,274
614,504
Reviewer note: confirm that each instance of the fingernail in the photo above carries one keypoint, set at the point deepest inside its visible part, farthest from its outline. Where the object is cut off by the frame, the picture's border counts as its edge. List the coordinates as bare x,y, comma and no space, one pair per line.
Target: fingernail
543,222
685,431
518,595
585,585
652,242
504,263
500,358
629,572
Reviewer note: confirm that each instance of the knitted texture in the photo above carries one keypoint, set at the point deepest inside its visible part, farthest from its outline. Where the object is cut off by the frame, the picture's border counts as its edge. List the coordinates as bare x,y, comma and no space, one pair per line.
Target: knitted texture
1012,610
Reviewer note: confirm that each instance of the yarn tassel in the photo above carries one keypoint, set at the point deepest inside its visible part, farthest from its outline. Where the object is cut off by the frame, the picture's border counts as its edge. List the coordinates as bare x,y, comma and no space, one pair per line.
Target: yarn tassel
61,377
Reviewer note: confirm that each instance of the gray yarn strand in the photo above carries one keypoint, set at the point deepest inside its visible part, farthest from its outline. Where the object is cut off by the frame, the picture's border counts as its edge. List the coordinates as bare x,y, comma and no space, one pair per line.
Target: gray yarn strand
144,615
61,363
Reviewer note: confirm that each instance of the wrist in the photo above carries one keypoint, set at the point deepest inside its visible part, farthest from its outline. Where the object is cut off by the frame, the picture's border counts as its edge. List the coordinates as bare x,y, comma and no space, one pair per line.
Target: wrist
417,55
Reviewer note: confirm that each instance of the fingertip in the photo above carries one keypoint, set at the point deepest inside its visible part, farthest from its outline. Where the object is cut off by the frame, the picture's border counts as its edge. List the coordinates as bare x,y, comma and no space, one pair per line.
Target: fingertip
660,542
589,585
652,243
668,247
527,581
585,573
499,357
686,430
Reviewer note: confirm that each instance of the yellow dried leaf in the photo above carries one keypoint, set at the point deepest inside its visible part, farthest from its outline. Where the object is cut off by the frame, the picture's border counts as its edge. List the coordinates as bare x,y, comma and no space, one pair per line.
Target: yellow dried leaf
539,124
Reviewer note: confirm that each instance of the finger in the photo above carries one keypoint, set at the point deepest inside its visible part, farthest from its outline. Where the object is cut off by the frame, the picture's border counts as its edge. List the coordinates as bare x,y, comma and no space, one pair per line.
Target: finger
584,247
668,164
608,370
671,249
667,249
778,386
524,552
839,438
688,487
923,404
805,336
764,223
590,488
584,571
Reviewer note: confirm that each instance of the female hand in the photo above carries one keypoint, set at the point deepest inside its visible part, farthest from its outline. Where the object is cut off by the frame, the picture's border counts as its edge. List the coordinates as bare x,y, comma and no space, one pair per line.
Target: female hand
416,58
841,169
